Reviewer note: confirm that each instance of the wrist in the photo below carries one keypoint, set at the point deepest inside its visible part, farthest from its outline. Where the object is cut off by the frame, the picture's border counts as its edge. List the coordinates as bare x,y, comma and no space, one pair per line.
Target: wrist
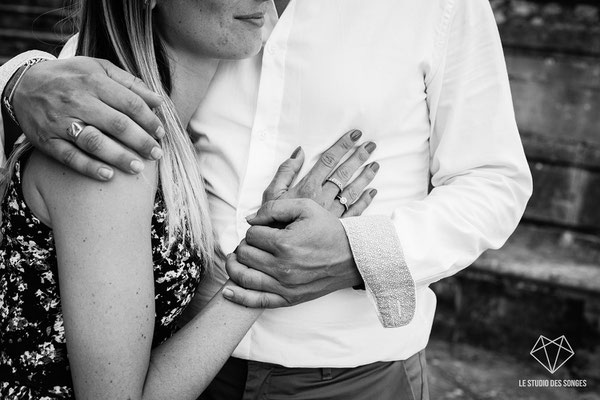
12,86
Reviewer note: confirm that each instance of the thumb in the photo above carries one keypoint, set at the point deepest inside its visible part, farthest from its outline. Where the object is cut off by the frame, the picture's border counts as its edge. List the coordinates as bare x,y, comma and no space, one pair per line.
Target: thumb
285,175
281,212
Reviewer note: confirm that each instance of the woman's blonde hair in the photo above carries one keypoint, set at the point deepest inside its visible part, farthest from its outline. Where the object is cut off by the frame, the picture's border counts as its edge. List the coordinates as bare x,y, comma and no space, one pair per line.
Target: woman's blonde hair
122,32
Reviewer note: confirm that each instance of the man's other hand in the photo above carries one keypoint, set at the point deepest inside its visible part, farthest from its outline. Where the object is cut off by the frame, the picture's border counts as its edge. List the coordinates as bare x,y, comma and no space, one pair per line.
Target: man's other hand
308,258
114,107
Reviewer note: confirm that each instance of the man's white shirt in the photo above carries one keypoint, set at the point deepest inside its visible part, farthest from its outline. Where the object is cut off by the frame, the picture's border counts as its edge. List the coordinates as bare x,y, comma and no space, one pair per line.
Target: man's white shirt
424,79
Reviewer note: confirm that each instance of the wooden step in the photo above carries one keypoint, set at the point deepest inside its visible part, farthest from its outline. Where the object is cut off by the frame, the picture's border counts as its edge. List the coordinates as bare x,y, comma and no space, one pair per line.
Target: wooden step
545,256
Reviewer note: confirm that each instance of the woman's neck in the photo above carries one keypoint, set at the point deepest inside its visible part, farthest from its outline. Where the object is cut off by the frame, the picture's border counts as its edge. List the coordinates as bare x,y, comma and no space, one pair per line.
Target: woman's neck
191,77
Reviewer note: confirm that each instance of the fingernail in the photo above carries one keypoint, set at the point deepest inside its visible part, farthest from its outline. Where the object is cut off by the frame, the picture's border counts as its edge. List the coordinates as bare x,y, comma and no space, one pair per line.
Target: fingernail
296,152
251,217
355,135
228,293
160,132
373,193
156,153
375,167
105,173
370,147
136,166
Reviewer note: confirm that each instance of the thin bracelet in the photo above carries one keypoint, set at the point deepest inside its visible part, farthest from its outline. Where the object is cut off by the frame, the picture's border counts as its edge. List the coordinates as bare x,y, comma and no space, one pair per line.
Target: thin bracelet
7,100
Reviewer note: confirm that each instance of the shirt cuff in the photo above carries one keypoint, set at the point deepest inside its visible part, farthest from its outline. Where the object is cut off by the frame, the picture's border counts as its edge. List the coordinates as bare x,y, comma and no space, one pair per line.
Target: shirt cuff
380,261
8,69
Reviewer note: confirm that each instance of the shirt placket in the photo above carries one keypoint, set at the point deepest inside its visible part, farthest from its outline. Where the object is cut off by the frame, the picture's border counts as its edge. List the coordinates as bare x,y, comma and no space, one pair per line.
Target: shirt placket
262,154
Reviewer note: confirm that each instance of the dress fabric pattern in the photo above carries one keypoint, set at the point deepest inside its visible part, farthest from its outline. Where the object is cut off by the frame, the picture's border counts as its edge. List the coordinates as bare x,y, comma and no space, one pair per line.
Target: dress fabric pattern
33,353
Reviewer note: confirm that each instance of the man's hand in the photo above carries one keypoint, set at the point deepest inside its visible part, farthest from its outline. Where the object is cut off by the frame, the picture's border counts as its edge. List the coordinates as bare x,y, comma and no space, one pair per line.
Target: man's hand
307,259
53,94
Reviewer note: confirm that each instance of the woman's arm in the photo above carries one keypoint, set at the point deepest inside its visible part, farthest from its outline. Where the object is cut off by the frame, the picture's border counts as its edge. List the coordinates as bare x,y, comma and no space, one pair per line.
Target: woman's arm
102,237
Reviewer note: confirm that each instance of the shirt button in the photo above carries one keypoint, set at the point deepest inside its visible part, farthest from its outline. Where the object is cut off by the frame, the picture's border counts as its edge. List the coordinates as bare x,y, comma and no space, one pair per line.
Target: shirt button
272,49
262,135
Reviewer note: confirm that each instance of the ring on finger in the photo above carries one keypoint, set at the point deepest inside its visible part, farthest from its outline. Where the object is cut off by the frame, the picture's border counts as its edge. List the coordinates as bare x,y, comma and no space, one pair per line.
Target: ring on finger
343,201
336,182
75,129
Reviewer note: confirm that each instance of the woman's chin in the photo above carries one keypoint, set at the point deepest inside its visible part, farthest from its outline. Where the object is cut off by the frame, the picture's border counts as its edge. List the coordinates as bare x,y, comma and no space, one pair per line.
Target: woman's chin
246,50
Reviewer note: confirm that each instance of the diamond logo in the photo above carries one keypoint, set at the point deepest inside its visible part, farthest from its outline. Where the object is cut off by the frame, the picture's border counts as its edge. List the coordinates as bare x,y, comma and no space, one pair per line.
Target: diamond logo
552,354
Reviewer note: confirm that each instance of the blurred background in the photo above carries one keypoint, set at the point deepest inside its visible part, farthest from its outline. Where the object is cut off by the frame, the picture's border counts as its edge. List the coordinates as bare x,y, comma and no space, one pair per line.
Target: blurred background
546,279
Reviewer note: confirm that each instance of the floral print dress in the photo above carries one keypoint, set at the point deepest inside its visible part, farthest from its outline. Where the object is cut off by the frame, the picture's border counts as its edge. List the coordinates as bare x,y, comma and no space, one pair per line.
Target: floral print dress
33,353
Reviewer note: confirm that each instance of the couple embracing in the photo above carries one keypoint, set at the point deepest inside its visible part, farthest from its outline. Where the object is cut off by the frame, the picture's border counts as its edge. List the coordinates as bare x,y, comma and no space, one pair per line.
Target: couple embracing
238,250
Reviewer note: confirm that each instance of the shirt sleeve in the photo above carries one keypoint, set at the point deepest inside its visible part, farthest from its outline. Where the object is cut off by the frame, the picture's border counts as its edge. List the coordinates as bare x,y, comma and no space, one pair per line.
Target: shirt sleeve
7,70
480,176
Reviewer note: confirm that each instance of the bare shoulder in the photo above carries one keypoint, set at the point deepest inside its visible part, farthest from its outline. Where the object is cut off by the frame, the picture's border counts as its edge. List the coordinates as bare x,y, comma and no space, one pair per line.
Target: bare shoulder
51,190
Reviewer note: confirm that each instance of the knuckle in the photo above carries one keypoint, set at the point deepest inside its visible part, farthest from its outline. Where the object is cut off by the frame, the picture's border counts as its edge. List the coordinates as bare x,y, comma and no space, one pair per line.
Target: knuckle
363,155
264,301
244,280
269,207
250,234
148,145
135,105
283,246
66,97
346,144
268,194
328,159
138,82
370,174
285,275
344,173
352,193
94,79
93,142
43,138
68,157
286,166
119,124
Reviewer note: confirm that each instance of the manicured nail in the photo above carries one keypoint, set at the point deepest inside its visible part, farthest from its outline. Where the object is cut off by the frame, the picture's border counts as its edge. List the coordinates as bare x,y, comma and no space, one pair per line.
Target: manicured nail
136,166
251,217
375,167
105,173
160,132
156,153
373,193
355,135
370,147
228,293
296,152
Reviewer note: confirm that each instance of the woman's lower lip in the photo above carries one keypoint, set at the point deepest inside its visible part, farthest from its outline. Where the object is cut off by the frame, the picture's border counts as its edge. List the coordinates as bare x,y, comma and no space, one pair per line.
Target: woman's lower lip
258,22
